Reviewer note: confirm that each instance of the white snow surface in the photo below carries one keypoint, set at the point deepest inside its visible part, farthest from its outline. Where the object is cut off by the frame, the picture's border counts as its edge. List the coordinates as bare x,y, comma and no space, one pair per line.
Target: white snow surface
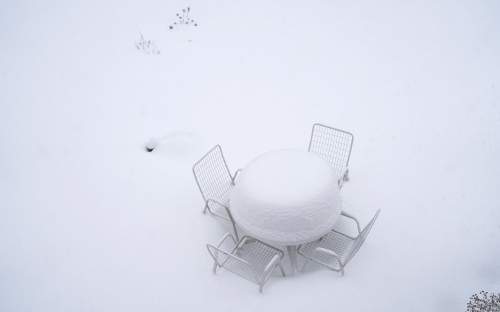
286,197
89,221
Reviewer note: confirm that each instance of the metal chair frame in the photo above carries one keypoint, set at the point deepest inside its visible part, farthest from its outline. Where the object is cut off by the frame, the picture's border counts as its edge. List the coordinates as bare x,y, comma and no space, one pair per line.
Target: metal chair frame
342,259
214,180
333,145
251,269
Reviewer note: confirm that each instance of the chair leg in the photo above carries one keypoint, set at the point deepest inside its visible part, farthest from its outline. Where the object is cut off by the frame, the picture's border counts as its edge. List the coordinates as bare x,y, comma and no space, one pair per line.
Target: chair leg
304,265
346,175
214,269
292,254
261,286
281,269
205,209
235,231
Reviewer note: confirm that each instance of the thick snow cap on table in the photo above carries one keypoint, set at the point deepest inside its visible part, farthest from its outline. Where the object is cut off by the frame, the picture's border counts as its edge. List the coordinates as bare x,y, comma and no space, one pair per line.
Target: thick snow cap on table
287,197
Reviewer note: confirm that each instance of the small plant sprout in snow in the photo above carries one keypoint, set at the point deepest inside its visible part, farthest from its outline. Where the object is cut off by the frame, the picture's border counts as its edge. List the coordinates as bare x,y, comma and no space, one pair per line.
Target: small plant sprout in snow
147,46
484,302
151,145
184,18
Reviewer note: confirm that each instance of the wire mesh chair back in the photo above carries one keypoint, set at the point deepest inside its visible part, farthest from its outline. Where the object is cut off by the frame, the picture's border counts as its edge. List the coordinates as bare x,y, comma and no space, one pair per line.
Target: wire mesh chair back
331,144
212,175
233,263
249,258
360,239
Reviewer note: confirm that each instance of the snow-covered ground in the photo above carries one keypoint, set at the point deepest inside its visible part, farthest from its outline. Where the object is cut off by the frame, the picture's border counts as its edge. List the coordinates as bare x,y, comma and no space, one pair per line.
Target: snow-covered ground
91,222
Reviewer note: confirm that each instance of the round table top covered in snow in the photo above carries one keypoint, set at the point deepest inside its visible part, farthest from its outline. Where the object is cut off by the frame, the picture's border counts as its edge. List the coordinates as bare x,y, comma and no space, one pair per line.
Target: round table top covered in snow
286,197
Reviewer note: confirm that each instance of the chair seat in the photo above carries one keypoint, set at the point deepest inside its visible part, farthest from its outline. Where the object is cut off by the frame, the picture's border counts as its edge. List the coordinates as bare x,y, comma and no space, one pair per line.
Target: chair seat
249,258
218,209
337,248
334,241
256,253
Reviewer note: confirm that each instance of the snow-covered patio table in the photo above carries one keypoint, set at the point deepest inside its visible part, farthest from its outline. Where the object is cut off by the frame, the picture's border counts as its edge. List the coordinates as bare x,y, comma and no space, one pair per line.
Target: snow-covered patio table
286,198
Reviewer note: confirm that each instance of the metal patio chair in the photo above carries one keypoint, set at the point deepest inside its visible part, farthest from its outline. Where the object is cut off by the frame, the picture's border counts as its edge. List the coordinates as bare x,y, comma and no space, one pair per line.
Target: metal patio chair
336,249
249,258
333,145
214,181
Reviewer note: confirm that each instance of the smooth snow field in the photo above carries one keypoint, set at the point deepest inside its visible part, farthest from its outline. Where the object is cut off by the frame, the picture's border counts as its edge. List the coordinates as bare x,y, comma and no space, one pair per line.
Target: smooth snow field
89,221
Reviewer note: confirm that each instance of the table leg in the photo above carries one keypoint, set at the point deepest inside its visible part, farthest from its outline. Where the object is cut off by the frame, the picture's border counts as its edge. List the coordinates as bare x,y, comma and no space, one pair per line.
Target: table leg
292,253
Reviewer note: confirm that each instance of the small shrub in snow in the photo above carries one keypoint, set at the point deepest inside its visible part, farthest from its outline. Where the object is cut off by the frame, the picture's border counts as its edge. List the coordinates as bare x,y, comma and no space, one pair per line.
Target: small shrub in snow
184,18
484,302
147,46
151,145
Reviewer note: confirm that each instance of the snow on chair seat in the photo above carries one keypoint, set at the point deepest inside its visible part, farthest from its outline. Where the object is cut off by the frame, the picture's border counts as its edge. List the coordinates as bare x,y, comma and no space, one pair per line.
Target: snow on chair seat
249,258
336,249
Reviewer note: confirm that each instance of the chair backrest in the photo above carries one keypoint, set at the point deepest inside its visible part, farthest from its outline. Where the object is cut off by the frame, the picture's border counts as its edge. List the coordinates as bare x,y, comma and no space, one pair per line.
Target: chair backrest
212,175
331,144
360,239
233,263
